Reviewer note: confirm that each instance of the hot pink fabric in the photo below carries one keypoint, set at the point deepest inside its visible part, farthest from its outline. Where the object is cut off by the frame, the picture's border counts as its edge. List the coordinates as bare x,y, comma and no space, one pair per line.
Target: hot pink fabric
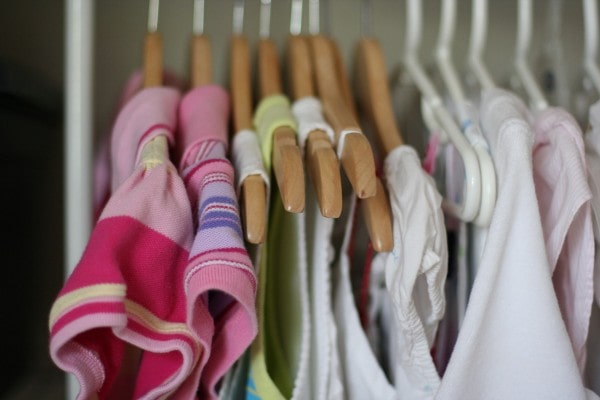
220,280
563,193
129,284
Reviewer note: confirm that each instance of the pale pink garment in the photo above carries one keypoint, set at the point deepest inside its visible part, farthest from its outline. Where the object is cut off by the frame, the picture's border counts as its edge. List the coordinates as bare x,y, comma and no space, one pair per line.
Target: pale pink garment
592,149
129,284
220,280
563,193
592,152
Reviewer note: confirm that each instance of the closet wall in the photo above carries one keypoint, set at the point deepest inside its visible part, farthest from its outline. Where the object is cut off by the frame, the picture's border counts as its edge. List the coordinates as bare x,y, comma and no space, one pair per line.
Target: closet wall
31,78
120,30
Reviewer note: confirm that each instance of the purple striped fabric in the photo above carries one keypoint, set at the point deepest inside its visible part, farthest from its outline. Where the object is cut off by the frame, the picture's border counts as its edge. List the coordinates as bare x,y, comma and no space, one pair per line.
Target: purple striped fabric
220,280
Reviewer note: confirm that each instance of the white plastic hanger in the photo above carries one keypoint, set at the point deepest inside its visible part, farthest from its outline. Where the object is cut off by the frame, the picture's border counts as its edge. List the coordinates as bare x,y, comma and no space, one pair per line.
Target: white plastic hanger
536,97
468,210
443,57
444,62
590,19
479,23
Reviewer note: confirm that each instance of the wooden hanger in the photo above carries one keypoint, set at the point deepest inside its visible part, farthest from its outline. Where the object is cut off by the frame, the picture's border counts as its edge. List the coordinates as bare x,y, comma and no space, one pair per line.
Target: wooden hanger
286,156
377,104
356,156
254,190
321,160
332,81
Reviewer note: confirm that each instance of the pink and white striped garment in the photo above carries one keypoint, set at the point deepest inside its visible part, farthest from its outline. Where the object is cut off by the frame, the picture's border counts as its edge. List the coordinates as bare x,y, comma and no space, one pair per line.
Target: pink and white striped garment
128,288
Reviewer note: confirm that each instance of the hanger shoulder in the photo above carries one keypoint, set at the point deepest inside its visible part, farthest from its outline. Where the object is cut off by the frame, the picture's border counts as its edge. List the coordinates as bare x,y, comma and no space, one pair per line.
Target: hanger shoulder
254,206
375,96
324,170
201,61
359,165
378,218
254,190
153,59
289,172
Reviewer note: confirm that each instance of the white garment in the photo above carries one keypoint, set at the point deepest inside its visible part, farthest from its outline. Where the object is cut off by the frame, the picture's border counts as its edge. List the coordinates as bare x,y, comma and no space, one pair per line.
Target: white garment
563,194
380,327
325,374
325,369
363,377
415,271
513,343
413,304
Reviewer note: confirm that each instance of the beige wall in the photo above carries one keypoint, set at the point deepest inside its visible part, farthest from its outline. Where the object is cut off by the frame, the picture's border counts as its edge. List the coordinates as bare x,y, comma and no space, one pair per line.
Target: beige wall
120,28
31,35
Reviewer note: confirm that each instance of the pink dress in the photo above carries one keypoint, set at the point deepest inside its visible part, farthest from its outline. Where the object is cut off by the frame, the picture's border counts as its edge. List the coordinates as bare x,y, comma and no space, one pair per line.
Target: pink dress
564,197
128,287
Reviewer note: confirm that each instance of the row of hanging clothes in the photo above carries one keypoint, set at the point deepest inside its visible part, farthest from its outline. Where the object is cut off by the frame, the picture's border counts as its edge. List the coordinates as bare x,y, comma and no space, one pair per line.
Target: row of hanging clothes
232,259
